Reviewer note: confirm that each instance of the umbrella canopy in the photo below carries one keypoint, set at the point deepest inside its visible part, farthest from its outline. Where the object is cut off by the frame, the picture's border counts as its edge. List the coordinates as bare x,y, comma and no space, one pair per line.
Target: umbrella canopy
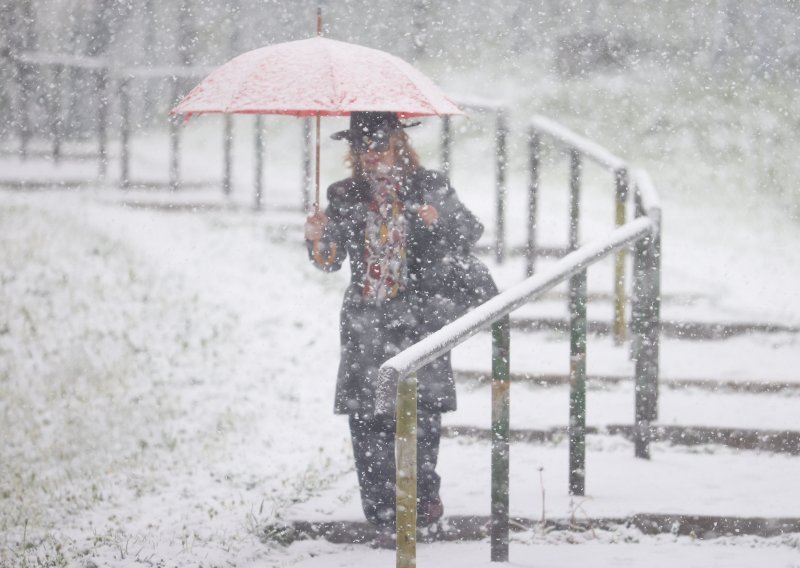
316,77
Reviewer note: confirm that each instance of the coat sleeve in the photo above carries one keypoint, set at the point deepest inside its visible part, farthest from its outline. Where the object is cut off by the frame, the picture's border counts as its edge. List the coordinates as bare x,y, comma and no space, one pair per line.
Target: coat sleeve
332,247
456,229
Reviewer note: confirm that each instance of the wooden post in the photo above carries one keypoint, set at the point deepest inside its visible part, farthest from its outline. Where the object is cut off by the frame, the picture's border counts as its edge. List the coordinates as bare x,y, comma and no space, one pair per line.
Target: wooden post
577,384
500,439
124,135
259,160
500,185
23,82
534,142
447,135
56,122
174,143
101,86
621,196
227,141
406,453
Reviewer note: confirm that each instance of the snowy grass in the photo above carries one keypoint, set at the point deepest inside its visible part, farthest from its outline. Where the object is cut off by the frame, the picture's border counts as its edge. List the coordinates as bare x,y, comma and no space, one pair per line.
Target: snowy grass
136,424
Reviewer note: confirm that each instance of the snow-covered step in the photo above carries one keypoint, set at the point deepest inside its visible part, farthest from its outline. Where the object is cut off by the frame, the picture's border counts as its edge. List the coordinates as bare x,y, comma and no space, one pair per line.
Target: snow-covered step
747,359
675,481
544,408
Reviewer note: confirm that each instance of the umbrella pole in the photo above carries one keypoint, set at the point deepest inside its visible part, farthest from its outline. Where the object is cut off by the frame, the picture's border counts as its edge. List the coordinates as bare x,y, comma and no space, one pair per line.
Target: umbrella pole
316,175
318,257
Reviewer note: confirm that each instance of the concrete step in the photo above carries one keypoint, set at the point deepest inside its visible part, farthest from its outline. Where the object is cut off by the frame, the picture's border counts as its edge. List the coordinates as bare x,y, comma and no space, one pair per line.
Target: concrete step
687,330
461,528
758,385
787,442
542,409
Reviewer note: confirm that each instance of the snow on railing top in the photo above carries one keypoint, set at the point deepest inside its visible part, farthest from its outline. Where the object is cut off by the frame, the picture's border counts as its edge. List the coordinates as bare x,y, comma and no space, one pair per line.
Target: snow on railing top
44,58
576,141
442,341
646,191
479,104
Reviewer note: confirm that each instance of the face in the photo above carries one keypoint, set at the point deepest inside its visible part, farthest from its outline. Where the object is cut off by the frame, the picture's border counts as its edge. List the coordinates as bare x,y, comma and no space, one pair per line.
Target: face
374,161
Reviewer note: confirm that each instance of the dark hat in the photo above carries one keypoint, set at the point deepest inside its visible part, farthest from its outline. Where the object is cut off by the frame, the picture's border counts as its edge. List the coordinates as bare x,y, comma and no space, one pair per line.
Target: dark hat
371,130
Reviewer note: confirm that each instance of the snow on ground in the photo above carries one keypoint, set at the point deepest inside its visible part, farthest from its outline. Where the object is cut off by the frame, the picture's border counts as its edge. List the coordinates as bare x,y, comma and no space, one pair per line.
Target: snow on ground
166,384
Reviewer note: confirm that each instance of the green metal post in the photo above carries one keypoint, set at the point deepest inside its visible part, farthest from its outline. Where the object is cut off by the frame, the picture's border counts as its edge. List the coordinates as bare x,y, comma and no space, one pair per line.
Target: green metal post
533,196
406,459
577,383
646,326
500,439
621,196
575,168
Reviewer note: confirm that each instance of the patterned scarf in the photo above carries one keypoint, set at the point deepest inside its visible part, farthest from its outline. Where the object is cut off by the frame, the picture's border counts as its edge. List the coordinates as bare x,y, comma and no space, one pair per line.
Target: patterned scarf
385,240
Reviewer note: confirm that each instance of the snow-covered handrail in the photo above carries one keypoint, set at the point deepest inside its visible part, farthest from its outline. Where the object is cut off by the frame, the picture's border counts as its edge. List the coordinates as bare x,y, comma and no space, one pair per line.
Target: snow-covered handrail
397,382
577,142
646,192
455,333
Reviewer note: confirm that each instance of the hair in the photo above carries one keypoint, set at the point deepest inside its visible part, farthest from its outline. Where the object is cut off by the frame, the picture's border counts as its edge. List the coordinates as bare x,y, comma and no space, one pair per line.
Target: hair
405,155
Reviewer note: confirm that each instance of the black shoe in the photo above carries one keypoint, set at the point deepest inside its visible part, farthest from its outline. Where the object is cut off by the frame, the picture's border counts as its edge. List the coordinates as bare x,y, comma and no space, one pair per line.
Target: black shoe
384,539
429,512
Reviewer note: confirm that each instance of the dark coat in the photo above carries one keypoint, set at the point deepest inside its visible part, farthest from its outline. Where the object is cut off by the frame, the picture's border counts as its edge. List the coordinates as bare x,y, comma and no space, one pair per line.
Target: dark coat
444,281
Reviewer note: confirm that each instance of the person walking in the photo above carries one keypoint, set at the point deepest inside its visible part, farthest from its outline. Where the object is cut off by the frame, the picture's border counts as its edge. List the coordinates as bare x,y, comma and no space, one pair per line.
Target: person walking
409,239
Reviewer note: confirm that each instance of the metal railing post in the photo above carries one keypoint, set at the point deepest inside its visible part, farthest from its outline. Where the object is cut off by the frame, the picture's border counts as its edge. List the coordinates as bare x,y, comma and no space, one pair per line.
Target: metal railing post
174,143
56,110
575,168
500,439
646,326
535,145
577,384
101,85
227,143
621,196
447,138
308,174
23,83
406,459
259,160
124,135
500,185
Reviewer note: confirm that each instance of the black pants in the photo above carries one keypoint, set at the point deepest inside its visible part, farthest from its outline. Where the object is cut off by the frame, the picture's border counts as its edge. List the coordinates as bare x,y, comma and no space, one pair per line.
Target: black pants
373,448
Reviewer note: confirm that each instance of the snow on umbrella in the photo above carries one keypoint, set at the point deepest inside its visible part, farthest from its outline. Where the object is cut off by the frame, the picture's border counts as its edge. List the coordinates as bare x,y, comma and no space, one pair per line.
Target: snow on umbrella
316,77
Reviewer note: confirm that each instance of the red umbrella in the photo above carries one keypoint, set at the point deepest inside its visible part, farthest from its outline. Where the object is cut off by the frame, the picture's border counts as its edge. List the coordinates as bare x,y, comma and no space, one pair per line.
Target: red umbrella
316,77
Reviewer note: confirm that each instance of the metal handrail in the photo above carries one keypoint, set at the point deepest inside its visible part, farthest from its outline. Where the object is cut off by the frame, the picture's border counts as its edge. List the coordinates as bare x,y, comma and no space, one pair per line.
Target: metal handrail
579,147
456,332
396,392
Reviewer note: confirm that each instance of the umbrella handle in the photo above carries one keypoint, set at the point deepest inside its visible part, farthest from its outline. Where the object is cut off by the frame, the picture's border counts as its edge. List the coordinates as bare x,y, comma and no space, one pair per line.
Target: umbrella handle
321,260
